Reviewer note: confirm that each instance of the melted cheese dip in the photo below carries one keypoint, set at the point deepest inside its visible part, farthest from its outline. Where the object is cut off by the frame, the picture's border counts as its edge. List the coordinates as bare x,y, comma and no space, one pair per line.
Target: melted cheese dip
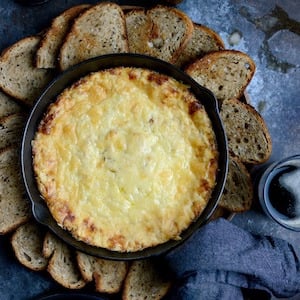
125,159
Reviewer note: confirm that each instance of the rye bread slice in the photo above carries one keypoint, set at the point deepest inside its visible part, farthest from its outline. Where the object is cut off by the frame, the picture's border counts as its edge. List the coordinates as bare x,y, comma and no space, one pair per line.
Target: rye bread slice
138,26
50,44
161,32
27,243
146,280
19,77
8,105
226,73
107,274
11,129
15,208
99,30
238,191
247,133
62,264
203,41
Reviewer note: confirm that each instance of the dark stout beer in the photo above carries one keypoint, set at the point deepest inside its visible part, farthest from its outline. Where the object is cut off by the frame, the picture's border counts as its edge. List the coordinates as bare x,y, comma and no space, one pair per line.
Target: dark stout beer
279,192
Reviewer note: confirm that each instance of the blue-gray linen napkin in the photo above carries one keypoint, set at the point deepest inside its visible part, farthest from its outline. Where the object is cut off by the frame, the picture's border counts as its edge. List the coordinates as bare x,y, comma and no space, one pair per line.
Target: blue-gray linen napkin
222,258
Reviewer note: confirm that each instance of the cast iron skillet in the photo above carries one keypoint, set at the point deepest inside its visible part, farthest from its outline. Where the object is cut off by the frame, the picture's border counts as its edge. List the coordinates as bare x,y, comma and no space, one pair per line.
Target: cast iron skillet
40,209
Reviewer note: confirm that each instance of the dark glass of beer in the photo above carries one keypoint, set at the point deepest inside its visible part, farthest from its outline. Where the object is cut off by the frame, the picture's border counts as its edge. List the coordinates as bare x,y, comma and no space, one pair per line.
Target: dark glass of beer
279,192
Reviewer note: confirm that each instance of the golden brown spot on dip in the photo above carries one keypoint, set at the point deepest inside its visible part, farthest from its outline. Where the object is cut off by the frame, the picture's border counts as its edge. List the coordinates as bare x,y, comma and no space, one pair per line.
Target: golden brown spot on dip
68,214
45,125
132,75
117,240
194,106
89,224
79,82
157,78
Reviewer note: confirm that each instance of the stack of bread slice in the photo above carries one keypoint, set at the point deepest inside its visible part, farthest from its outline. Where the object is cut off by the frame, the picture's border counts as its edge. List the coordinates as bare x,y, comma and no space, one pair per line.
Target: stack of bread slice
85,31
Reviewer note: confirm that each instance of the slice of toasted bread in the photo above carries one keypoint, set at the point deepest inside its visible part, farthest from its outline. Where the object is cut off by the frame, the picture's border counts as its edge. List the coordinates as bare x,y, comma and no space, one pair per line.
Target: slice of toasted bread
99,30
27,243
48,50
171,31
62,264
8,105
238,191
204,40
226,73
138,26
247,133
107,274
14,205
11,128
19,77
145,280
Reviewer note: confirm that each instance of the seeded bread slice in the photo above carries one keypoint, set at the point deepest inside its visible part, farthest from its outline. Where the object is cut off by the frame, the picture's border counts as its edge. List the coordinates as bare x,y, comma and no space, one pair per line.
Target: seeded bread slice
19,77
27,243
8,105
247,133
99,30
226,73
204,40
107,274
171,31
14,205
138,26
145,280
238,191
161,32
11,128
62,264
48,50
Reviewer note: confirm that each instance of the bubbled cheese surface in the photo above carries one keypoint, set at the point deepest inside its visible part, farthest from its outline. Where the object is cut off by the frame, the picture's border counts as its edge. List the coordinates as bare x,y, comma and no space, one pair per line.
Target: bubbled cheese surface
125,159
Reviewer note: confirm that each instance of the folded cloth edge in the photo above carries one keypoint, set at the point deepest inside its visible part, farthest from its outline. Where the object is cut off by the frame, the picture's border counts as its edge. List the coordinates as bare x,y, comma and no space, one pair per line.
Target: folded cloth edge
247,260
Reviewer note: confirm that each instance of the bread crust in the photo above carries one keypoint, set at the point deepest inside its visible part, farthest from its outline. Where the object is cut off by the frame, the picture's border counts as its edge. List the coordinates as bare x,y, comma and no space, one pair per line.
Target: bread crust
107,274
144,278
83,42
138,26
203,41
189,28
27,244
155,33
62,264
49,46
14,206
247,133
20,78
226,73
238,191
